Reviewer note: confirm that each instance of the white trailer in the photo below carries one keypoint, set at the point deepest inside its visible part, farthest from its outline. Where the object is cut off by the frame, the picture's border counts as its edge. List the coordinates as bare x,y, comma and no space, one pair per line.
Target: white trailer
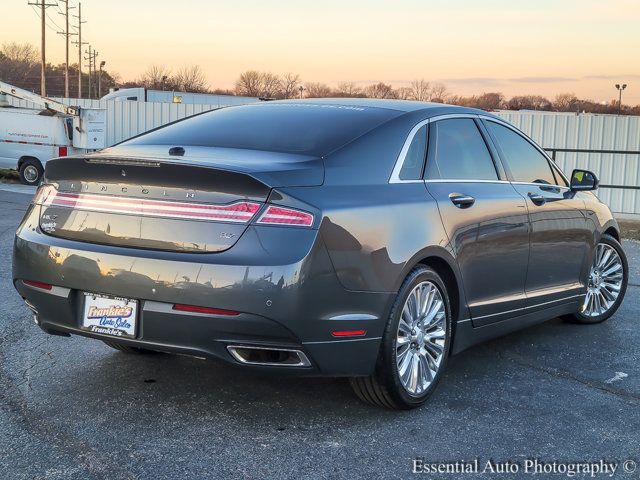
30,137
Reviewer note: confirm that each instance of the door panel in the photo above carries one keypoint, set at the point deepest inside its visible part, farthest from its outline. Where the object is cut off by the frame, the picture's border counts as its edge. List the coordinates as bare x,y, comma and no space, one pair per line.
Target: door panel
560,236
491,242
560,233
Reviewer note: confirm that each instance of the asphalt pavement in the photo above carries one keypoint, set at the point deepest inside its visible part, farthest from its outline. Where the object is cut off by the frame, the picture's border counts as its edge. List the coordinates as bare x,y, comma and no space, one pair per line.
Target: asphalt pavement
74,408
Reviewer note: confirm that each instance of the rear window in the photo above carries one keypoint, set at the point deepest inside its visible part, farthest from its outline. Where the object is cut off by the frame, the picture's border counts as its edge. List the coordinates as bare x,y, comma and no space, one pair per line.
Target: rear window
310,129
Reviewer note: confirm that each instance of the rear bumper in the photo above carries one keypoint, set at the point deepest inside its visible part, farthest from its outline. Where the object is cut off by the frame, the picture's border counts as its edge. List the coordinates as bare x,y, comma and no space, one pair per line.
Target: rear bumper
294,301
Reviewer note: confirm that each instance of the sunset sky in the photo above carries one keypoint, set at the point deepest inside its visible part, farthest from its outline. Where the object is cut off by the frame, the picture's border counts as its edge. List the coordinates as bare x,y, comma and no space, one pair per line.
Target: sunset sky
513,46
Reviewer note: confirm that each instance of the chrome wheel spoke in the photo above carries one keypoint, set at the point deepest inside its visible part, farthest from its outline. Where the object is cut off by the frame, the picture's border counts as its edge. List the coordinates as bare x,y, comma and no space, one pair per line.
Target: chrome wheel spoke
605,281
421,336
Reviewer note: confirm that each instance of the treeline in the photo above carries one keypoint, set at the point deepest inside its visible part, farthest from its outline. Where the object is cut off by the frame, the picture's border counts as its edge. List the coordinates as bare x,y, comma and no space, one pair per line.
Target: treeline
19,66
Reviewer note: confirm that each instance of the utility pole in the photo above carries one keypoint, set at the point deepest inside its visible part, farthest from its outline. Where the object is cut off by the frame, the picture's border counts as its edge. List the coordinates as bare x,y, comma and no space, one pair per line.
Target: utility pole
92,66
43,58
66,34
79,43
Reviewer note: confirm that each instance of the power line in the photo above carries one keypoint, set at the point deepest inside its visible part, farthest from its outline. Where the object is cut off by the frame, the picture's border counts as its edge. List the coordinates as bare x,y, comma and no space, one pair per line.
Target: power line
43,59
79,43
66,34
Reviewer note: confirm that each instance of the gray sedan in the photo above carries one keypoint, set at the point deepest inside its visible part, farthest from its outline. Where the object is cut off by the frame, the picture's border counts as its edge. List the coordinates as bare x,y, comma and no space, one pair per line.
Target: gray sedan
370,239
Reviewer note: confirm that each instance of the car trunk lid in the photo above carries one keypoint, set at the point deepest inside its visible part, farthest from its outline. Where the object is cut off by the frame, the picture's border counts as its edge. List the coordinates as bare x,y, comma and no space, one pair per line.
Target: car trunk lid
162,204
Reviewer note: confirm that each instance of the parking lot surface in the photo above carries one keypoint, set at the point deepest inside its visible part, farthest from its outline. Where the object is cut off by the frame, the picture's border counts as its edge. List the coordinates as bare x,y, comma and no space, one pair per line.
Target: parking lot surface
74,408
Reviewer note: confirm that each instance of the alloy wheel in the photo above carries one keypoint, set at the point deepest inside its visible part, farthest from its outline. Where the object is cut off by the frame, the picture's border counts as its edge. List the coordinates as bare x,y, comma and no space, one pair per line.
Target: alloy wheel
605,281
421,337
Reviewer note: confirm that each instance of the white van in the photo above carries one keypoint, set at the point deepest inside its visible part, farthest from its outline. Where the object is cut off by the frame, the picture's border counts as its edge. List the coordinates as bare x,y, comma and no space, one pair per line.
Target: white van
30,137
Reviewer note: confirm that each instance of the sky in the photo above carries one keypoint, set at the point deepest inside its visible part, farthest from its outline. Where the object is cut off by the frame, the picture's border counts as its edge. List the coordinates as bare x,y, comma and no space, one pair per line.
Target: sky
517,47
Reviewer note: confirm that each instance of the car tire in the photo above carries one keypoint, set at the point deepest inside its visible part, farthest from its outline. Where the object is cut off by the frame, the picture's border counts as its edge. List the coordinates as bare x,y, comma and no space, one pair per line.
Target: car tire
126,348
583,316
31,171
386,387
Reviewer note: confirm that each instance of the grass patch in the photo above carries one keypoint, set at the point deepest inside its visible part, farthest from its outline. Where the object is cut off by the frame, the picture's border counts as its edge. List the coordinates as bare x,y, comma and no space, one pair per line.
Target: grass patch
9,176
630,229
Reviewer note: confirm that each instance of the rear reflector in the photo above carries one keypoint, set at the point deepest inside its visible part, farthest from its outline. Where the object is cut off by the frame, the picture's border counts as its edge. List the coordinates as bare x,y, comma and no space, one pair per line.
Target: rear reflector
40,285
211,311
238,212
285,216
349,333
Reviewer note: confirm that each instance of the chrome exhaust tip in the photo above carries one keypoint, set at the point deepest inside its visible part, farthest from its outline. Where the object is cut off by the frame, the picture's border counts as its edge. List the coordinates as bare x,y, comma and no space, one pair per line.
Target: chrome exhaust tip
34,311
268,356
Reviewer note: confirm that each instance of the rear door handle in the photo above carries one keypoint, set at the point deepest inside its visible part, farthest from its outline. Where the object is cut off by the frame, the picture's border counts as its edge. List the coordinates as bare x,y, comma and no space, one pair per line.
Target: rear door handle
537,198
462,201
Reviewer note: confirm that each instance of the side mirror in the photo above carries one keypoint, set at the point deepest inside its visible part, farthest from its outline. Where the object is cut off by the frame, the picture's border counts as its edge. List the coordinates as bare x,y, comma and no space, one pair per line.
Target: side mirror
582,180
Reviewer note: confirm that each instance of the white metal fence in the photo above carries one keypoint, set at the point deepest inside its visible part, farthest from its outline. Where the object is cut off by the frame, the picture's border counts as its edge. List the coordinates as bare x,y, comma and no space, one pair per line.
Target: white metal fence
605,136
553,131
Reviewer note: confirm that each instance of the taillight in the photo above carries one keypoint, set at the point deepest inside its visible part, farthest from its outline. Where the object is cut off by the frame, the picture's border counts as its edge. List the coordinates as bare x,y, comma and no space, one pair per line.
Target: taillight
238,212
285,216
40,285
44,195
208,310
62,151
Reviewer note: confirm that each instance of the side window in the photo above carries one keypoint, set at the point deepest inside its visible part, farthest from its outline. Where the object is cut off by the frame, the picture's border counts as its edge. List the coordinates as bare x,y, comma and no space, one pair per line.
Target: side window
414,160
526,163
457,151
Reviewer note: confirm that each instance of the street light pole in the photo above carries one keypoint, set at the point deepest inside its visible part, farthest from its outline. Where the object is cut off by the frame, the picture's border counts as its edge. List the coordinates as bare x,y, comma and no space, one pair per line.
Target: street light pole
620,88
102,64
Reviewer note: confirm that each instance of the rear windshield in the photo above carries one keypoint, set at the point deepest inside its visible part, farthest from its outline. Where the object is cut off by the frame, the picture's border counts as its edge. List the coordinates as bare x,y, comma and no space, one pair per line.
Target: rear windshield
311,129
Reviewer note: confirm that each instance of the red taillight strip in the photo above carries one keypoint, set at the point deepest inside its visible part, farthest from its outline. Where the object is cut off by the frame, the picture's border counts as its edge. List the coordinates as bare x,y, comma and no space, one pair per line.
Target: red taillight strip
286,216
196,309
40,285
239,212
349,333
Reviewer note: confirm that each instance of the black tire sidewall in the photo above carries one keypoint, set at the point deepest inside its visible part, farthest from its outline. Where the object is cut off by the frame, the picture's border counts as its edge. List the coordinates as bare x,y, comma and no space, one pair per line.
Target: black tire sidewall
387,370
609,240
37,165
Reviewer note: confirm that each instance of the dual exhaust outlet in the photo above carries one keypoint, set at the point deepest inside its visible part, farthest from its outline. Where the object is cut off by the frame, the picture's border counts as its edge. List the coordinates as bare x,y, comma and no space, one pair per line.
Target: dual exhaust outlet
269,356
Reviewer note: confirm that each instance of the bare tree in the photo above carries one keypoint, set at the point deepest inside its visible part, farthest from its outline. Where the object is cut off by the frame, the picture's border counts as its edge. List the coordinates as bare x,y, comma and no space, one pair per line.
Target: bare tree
318,90
438,93
420,90
380,90
404,93
18,63
249,83
157,77
489,101
271,86
528,102
191,79
348,89
289,84
566,102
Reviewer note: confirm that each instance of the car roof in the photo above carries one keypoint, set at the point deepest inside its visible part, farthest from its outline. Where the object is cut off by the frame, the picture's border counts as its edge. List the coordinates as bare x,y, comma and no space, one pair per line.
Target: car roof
428,108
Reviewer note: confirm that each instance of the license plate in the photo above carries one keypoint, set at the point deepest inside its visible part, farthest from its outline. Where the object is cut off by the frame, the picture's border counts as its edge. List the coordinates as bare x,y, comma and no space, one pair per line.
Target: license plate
113,316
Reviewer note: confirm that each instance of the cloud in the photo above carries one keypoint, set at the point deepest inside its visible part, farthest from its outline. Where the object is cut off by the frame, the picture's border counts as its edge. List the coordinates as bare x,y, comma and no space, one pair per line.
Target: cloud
625,76
542,79
472,81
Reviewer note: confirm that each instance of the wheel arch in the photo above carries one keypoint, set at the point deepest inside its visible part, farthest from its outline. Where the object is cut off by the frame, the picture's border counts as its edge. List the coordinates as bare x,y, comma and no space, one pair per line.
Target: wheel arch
24,158
440,260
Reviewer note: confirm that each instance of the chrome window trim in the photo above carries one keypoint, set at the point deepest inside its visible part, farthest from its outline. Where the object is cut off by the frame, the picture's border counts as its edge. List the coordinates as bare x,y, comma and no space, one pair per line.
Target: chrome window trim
552,164
541,185
465,180
395,173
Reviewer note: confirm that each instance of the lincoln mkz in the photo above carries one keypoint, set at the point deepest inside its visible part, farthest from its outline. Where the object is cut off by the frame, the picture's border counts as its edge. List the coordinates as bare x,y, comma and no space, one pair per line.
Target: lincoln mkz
369,239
